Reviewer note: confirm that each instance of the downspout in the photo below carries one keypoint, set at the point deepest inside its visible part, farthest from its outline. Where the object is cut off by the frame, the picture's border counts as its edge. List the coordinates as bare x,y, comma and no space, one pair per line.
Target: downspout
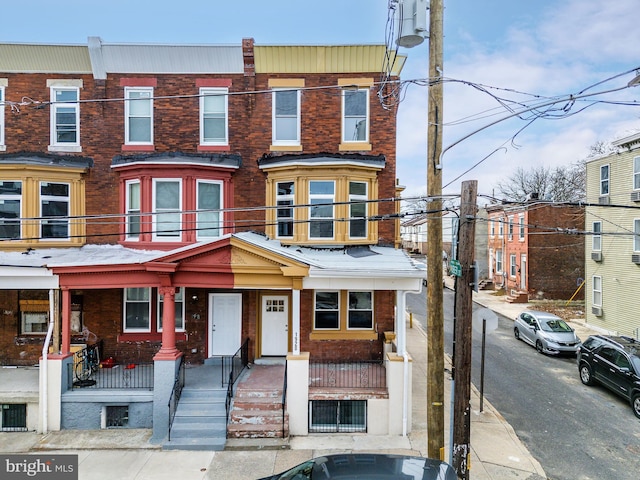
45,370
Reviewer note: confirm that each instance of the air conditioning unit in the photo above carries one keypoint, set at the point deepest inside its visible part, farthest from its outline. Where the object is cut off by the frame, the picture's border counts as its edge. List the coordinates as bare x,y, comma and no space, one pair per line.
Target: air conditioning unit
635,258
635,196
603,200
596,256
597,311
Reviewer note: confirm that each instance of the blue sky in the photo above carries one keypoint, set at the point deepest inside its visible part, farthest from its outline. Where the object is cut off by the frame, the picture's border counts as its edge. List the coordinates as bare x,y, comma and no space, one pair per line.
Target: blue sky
542,47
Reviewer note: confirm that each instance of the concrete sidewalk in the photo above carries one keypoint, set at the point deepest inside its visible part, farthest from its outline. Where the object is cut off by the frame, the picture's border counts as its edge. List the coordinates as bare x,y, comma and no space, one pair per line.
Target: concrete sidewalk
496,451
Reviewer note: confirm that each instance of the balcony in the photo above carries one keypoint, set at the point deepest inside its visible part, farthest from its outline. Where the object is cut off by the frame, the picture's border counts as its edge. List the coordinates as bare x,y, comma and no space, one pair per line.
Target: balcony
357,380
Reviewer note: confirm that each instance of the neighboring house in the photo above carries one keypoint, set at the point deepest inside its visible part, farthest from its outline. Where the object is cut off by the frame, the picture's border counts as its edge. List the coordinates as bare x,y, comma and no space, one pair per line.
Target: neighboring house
190,205
532,254
612,251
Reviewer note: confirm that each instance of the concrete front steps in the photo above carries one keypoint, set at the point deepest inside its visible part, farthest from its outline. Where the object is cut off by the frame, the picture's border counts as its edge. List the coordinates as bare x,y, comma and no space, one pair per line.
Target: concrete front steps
200,420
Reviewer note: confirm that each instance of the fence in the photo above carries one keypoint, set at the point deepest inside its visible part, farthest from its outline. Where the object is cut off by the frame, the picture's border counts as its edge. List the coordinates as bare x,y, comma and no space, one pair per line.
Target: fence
359,374
119,376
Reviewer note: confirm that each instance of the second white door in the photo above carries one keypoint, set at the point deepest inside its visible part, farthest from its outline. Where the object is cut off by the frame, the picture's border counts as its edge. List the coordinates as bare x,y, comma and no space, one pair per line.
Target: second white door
275,325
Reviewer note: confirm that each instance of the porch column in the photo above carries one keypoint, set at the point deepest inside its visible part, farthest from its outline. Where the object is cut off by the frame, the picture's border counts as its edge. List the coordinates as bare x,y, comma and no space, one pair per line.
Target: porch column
168,351
66,321
401,321
295,321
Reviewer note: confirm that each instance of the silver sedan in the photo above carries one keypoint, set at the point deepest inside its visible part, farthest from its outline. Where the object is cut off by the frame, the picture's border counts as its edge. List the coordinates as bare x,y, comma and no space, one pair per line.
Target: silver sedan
547,332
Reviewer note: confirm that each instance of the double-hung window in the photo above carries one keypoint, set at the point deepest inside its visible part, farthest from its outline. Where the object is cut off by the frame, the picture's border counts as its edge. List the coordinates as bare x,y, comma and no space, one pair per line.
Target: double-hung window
321,212
213,116
360,310
133,210
596,244
10,209
636,235
500,228
2,85
358,209
596,291
327,311
179,309
521,227
355,115
499,261
54,203
285,197
167,205
513,268
636,173
492,224
209,204
138,114
65,116
510,228
604,180
137,308
286,116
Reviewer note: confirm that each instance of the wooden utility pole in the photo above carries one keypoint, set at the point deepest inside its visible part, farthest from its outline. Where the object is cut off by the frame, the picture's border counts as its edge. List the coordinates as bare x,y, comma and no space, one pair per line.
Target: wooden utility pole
435,314
463,332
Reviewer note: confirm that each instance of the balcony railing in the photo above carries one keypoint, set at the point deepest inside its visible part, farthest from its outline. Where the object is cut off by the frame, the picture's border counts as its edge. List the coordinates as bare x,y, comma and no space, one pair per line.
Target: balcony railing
117,376
351,375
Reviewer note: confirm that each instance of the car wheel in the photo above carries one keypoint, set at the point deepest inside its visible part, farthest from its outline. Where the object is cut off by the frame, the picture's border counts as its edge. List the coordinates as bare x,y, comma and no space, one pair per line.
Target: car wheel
516,333
539,346
635,403
586,378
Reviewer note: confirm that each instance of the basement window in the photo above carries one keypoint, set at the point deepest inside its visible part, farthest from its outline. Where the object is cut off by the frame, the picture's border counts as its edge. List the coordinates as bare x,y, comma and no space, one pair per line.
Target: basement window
13,417
343,416
115,416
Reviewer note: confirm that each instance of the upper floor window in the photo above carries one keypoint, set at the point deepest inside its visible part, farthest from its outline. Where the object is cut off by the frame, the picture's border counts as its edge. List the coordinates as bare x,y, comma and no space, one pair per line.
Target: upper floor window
54,202
358,209
636,173
604,179
286,117
285,200
179,310
213,116
510,228
137,309
133,210
355,115
209,204
499,261
167,206
10,211
597,237
636,235
138,114
2,81
500,228
521,227
321,214
492,231
65,116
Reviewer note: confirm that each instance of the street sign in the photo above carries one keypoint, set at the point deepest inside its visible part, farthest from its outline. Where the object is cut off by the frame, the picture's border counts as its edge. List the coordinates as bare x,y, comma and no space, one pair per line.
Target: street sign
455,267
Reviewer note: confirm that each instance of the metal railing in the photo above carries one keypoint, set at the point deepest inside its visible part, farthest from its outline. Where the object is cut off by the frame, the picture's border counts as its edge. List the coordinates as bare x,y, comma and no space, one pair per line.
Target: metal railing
357,374
234,365
118,376
176,392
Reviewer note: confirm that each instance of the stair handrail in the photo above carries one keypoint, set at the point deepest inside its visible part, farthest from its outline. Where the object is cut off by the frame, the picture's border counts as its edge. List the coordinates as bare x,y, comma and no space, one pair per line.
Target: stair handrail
174,398
243,354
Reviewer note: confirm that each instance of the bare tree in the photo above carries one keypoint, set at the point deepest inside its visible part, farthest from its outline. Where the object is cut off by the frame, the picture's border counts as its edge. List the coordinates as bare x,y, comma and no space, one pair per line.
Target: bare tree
561,184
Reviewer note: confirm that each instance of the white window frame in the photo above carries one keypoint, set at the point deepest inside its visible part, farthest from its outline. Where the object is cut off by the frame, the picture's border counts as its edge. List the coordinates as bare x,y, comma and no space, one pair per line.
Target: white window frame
158,212
55,108
126,302
331,203
315,310
605,186
492,230
131,210
204,115
636,234
499,261
636,173
275,117
521,227
128,115
38,318
347,132
596,239
510,227
2,100
352,215
596,291
287,207
179,306
201,231
513,266
350,309
57,198
500,228
12,198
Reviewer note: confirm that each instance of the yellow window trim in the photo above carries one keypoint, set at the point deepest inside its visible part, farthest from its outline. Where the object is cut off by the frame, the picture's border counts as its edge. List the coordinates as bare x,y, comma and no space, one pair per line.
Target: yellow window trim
286,82
343,317
357,82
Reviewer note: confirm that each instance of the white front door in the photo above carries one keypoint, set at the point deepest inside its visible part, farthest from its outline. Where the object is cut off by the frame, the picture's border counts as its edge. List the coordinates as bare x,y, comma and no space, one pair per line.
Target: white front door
275,325
225,323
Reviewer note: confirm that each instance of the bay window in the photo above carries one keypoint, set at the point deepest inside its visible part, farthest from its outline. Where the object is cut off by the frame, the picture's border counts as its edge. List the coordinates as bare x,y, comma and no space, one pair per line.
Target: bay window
54,202
358,211
321,212
285,216
167,205
133,210
10,209
209,203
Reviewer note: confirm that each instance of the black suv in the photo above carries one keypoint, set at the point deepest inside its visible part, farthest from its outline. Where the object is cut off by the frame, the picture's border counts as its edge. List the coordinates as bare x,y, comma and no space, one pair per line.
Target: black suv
613,362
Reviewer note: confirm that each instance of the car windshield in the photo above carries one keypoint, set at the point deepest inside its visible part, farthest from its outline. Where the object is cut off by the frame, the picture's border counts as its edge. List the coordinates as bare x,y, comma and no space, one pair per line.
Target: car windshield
554,325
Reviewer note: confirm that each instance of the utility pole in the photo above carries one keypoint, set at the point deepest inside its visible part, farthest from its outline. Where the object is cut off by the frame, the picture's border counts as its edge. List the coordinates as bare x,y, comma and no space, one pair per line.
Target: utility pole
435,314
463,332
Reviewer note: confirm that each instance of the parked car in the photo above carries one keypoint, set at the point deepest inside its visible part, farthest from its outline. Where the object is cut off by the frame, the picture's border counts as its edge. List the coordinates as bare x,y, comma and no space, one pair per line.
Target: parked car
368,465
613,362
547,332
